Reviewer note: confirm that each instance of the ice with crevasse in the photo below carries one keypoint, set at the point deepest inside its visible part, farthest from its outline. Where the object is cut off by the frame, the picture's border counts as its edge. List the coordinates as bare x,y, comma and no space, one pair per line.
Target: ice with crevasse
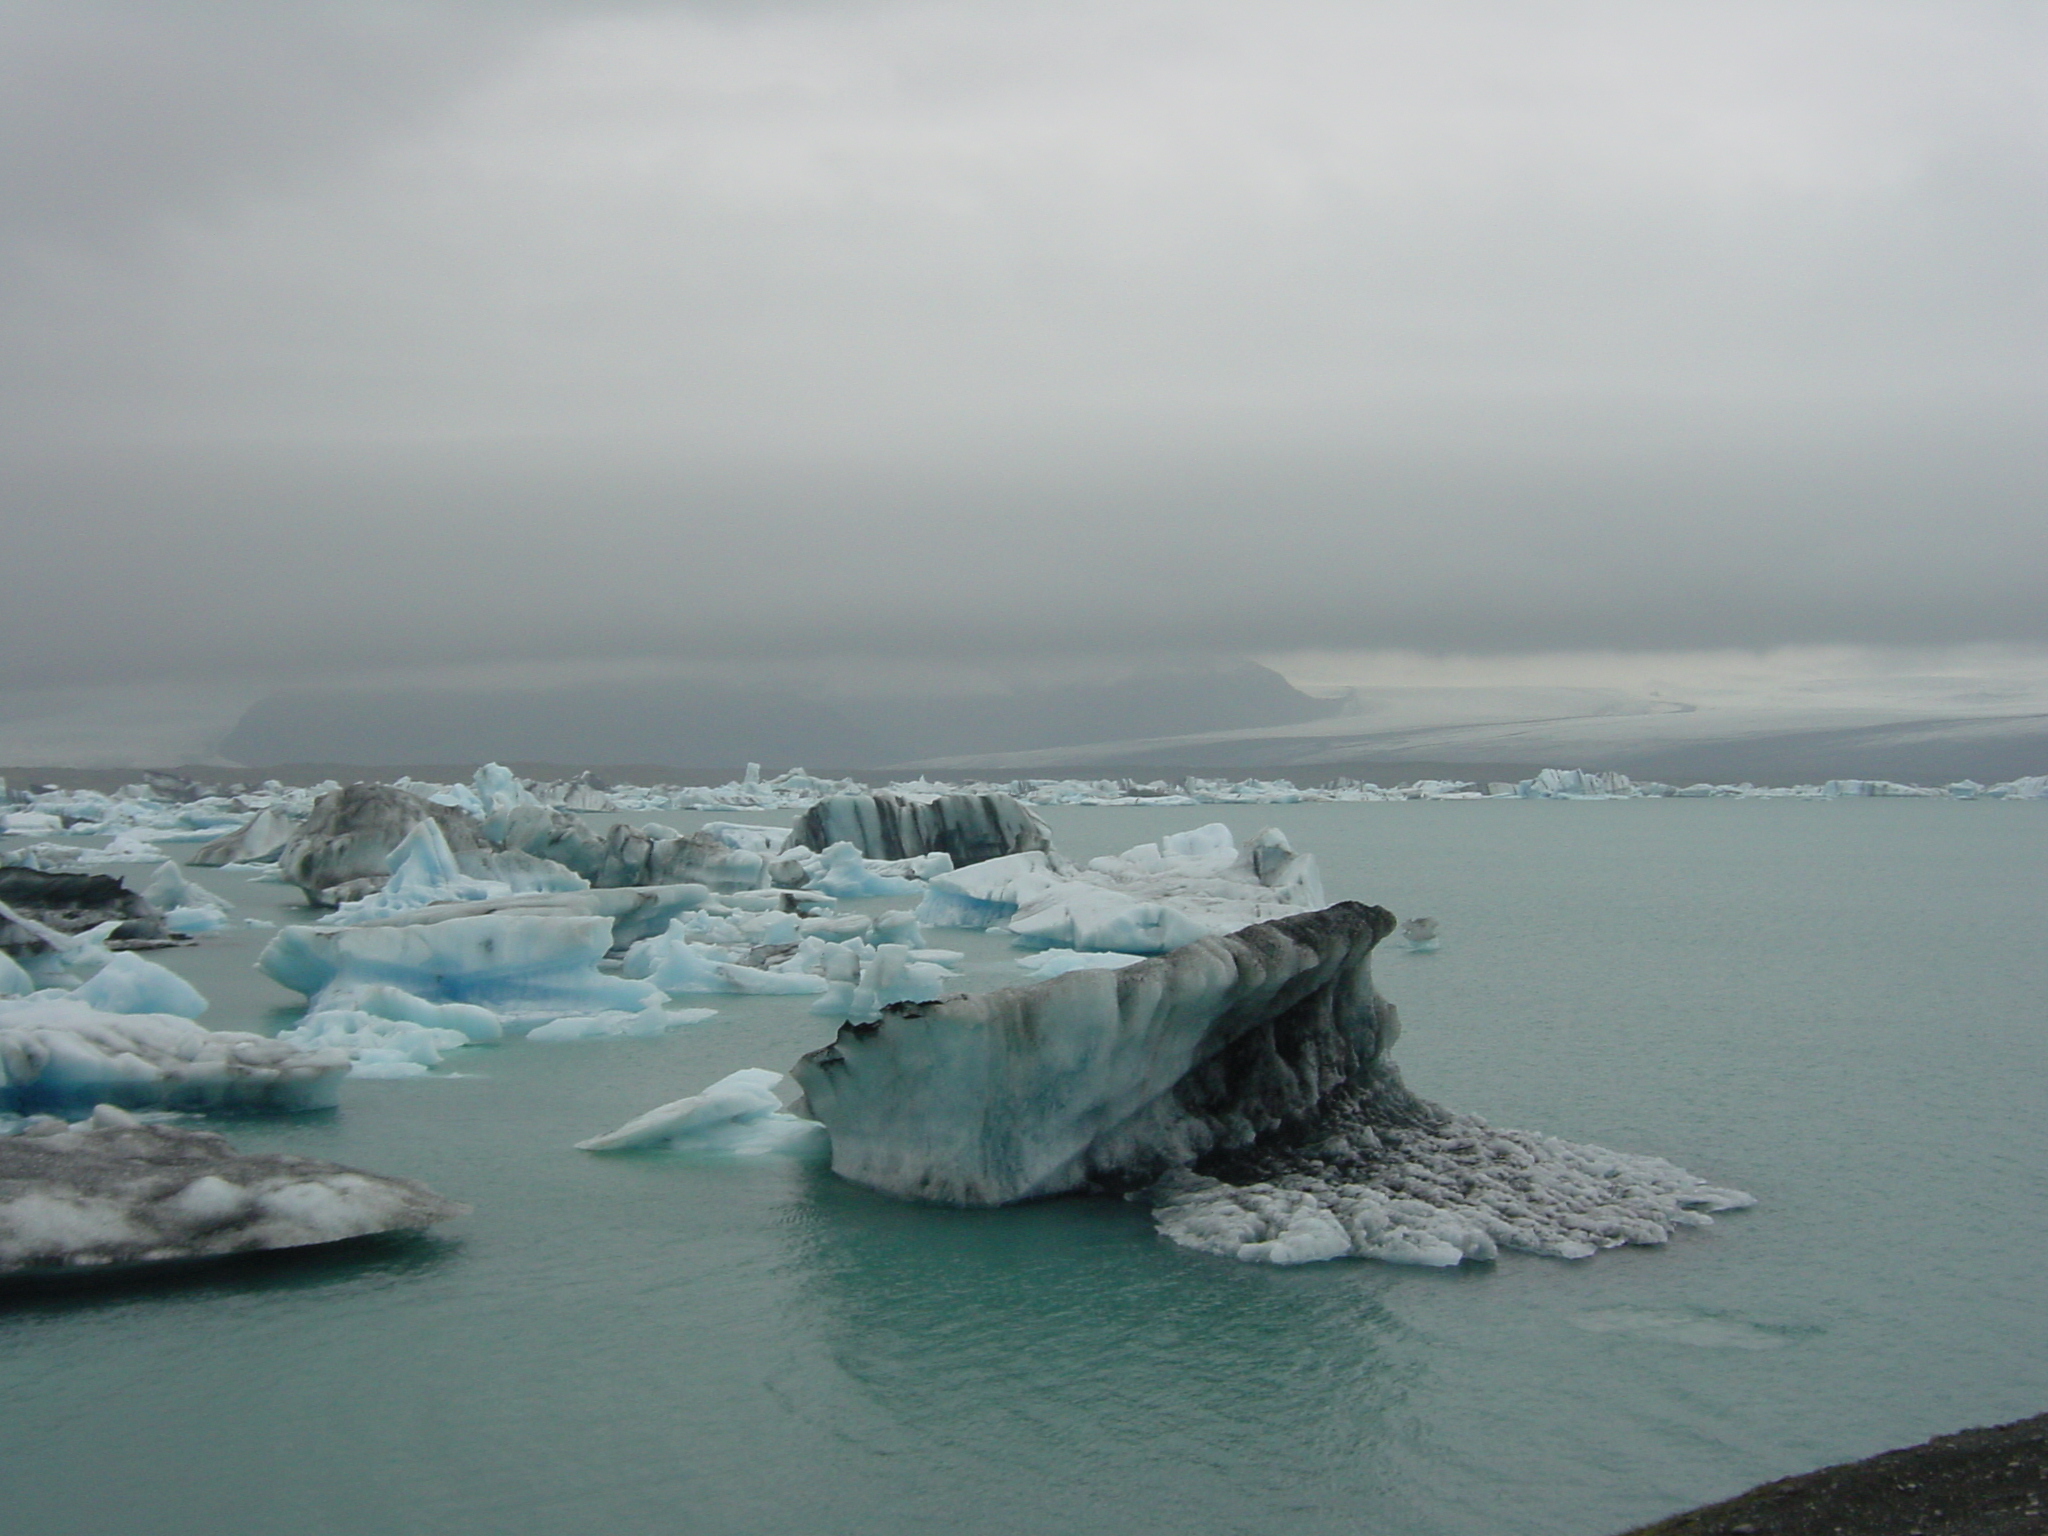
58,1052
741,1113
523,967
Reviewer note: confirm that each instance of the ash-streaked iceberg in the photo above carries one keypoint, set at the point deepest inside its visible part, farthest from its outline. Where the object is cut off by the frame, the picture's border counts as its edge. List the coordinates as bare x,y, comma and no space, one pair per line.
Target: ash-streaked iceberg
968,828
1245,1080
344,849
112,1190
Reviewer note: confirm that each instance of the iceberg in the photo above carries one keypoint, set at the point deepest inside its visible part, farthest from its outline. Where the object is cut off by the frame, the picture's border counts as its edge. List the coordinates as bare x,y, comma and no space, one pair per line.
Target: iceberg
741,1113
1244,1080
375,1046
1147,900
72,904
112,1190
58,1052
344,848
259,840
1420,934
127,983
522,967
620,1025
967,828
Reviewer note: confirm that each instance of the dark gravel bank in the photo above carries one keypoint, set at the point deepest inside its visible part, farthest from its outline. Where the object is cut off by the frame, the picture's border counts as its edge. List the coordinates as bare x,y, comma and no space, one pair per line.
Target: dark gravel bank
1981,1482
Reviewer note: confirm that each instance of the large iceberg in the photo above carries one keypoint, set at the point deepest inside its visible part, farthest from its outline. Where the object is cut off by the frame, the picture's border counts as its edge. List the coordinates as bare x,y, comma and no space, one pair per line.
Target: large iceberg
967,828
1244,1079
113,1190
60,1052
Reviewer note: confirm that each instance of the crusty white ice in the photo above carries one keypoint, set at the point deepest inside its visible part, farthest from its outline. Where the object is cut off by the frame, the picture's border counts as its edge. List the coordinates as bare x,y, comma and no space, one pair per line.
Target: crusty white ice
112,1190
1439,1191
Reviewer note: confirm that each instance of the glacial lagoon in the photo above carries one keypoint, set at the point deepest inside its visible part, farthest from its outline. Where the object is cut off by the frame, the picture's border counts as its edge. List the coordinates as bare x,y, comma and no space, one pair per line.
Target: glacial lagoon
1841,1007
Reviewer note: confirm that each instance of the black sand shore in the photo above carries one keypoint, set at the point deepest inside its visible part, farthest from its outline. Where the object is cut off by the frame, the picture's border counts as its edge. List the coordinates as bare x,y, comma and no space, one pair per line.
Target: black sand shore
1980,1482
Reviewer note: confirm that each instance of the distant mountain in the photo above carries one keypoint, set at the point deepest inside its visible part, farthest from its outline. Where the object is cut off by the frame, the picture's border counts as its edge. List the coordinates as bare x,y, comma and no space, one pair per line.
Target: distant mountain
713,728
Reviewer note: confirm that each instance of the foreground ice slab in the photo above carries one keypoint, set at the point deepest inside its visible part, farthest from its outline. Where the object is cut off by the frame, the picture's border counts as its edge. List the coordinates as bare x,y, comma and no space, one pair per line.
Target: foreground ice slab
115,1191
58,1052
967,828
1245,1078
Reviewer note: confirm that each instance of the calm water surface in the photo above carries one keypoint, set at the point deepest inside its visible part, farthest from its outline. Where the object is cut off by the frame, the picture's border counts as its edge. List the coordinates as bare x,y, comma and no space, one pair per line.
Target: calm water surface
1839,1007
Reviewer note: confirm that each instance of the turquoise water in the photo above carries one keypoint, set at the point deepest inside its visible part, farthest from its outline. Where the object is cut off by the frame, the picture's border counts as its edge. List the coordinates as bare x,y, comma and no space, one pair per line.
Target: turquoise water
1837,1006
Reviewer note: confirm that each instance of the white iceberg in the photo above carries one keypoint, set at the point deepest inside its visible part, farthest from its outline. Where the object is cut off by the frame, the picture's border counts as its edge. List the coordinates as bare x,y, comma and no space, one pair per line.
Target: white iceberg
741,1113
617,1024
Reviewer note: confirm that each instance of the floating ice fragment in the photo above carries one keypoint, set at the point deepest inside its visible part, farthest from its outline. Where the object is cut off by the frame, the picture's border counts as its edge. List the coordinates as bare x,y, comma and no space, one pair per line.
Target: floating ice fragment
740,1113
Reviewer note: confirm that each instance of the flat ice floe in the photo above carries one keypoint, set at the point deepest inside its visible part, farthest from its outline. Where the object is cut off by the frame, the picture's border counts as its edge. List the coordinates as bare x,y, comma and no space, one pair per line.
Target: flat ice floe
112,1190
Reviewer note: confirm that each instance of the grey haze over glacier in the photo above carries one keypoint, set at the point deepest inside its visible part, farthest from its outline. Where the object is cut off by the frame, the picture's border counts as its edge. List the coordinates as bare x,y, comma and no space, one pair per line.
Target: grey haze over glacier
861,353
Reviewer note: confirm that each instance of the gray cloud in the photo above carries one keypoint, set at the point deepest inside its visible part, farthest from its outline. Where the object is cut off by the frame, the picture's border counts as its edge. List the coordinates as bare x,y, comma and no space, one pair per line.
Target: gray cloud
365,338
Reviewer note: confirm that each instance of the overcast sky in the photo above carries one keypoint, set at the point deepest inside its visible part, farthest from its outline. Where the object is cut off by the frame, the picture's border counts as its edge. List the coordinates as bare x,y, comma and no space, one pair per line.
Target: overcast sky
355,337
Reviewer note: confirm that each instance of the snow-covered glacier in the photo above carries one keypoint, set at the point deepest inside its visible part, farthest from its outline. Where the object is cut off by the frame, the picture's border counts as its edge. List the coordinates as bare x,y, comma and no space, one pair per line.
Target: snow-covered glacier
1244,1080
113,1190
